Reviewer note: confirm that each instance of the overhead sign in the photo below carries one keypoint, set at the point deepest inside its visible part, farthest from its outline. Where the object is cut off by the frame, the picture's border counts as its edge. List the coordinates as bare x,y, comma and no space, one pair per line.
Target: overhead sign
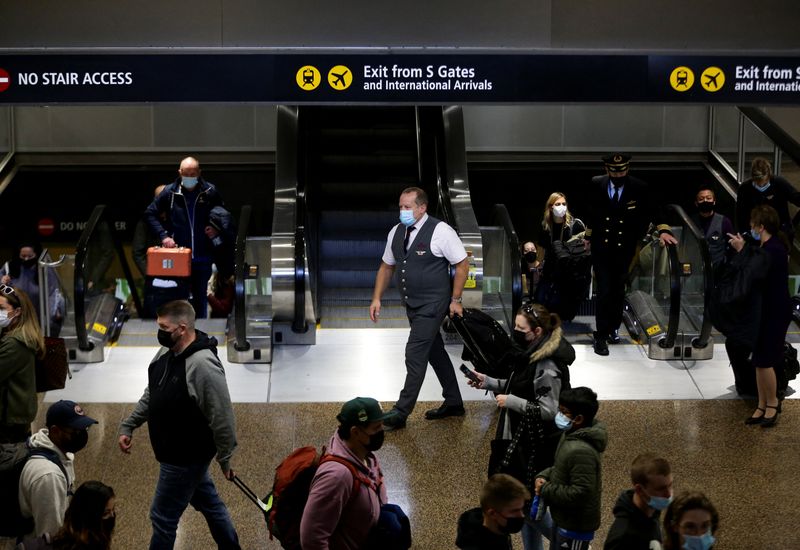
389,77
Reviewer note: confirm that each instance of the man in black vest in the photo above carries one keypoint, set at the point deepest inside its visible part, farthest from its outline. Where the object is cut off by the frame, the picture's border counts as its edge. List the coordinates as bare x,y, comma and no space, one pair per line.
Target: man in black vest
188,410
620,215
715,226
423,248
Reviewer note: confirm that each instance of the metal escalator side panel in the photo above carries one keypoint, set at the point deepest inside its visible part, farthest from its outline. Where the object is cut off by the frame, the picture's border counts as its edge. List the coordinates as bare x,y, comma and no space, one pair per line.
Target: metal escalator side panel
456,192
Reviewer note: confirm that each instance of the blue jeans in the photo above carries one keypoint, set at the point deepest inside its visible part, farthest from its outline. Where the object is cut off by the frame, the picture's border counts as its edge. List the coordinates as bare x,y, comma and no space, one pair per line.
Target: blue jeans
534,532
179,486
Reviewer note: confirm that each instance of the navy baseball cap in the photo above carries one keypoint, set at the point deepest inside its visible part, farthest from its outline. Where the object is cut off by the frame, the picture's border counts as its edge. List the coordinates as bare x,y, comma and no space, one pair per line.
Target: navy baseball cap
68,414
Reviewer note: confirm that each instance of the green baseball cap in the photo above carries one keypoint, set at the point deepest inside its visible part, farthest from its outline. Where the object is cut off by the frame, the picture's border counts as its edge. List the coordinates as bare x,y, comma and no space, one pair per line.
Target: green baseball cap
361,410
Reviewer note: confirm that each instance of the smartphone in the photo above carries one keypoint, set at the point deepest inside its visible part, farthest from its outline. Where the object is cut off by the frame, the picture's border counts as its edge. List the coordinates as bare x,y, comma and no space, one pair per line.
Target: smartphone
469,374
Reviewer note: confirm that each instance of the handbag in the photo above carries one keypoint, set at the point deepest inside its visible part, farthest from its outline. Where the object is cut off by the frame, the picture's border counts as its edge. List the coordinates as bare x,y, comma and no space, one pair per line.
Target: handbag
503,455
52,370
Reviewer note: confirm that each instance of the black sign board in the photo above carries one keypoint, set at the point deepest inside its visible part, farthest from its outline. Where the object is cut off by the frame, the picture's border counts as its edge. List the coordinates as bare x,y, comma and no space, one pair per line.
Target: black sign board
391,77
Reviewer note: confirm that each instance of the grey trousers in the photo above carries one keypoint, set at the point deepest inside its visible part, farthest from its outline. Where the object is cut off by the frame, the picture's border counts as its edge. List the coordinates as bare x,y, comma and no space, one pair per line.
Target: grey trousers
425,345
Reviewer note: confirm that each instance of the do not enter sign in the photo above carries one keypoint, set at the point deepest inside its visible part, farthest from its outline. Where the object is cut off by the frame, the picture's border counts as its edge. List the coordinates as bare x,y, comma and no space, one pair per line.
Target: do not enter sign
5,80
46,227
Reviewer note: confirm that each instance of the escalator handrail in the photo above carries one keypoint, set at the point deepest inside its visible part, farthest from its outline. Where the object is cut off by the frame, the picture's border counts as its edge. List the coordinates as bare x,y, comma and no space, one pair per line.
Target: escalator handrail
778,135
674,298
240,272
503,219
81,251
299,323
708,275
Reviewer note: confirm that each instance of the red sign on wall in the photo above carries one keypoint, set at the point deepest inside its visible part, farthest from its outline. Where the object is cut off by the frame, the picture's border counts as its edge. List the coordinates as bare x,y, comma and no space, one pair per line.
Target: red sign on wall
46,227
5,80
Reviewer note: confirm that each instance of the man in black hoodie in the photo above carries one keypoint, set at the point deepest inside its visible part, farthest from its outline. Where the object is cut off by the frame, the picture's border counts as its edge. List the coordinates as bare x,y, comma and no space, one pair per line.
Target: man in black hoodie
501,513
637,511
188,409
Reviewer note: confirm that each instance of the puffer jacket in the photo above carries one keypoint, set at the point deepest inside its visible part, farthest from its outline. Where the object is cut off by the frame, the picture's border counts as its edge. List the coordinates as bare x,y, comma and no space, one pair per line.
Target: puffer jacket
574,482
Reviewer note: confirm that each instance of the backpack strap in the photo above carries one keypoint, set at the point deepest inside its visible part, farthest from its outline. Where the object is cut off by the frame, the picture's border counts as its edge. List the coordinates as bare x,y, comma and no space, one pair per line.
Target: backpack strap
53,457
358,477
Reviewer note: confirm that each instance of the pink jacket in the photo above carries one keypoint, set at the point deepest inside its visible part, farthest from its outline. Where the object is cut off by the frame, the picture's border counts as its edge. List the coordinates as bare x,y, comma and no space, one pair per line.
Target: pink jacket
334,518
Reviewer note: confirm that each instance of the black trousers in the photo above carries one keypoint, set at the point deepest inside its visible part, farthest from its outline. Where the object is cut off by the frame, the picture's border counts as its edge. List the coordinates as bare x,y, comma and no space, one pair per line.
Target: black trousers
611,276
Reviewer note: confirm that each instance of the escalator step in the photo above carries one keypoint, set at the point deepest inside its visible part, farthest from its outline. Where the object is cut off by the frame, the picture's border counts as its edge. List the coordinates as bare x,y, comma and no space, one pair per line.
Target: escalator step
347,278
353,249
338,263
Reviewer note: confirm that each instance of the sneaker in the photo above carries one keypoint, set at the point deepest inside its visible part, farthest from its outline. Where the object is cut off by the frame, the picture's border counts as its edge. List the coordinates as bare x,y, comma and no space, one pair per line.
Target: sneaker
613,338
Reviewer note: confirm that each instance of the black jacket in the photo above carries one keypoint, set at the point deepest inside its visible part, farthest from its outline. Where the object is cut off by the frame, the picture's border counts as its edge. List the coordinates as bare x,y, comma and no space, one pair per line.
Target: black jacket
632,529
778,195
472,535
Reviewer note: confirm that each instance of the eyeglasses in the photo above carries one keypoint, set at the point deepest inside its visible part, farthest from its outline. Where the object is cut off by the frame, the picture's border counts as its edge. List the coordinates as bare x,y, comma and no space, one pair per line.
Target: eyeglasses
5,289
528,309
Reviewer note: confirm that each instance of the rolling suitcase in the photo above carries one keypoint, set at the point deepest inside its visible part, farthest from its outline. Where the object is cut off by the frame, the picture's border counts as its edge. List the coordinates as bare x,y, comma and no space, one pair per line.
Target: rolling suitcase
486,344
169,262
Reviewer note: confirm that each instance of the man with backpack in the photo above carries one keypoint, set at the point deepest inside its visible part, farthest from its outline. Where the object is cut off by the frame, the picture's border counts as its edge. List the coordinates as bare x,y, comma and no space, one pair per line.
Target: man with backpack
46,480
190,419
347,492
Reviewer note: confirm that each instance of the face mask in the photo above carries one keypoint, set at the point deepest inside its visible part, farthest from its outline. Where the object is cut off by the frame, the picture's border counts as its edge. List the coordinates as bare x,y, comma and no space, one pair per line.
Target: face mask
560,210
618,181
375,441
563,422
530,257
659,503
108,525
5,320
30,262
513,525
407,217
77,441
702,542
520,338
705,207
755,234
188,183
165,338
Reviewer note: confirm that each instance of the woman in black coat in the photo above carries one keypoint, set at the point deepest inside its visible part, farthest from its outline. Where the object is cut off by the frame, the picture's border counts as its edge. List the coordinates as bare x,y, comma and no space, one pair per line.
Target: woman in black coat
776,312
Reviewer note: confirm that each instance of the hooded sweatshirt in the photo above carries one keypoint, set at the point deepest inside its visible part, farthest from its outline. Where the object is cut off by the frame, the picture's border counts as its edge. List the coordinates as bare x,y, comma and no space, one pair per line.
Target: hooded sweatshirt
472,535
335,518
574,482
632,528
43,490
187,406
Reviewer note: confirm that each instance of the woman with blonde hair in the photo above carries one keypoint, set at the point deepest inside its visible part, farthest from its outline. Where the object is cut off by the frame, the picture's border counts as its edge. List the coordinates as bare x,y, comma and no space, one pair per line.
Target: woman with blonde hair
21,341
558,224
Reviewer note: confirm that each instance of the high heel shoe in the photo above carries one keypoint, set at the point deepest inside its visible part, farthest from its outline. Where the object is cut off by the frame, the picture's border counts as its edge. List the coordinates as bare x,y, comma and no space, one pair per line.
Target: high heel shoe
772,420
756,419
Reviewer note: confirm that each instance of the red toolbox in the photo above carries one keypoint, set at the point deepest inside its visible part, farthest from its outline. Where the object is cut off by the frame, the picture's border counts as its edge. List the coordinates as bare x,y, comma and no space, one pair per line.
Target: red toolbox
169,262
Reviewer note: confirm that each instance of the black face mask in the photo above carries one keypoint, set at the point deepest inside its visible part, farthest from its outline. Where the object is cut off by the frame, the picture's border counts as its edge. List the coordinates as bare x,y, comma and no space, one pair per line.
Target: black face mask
530,257
520,338
108,525
30,262
619,181
375,441
165,338
705,207
77,442
513,525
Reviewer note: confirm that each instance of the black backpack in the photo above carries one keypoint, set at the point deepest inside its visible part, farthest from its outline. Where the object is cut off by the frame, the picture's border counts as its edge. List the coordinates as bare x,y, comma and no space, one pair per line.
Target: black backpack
13,457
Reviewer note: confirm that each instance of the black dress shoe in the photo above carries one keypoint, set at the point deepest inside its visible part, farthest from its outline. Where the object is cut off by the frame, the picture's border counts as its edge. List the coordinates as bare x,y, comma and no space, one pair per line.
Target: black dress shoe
444,411
613,338
600,345
394,422
753,420
770,421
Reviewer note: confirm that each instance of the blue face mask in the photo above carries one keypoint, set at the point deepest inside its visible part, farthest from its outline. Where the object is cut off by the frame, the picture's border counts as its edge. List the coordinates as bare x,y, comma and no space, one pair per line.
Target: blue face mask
659,503
563,422
755,234
188,183
407,217
703,542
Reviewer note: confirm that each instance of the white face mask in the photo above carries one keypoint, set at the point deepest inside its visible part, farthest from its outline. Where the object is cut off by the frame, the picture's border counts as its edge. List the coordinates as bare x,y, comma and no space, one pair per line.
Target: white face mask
5,320
560,210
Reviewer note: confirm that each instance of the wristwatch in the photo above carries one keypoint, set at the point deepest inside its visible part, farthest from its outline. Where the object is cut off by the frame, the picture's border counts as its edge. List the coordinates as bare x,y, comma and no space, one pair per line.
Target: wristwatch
456,300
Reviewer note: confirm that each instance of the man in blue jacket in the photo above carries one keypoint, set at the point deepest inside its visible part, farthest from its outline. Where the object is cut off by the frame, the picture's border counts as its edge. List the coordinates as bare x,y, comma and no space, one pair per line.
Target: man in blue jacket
186,204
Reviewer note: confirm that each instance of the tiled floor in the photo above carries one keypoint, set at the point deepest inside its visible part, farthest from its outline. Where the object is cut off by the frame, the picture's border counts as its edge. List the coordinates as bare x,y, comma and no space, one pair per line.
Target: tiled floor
435,469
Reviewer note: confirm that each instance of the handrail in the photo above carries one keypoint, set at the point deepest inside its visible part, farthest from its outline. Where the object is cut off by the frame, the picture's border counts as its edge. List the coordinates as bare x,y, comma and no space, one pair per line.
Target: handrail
299,323
778,135
708,277
44,297
502,218
81,250
674,298
240,270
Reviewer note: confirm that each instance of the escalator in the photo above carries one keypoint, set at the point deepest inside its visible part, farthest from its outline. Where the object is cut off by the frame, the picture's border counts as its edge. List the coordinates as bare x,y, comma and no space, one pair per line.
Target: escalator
666,305
339,174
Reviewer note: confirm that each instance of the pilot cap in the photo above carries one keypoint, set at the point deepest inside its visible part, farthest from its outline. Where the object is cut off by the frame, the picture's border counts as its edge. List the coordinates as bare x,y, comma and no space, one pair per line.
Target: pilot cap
617,162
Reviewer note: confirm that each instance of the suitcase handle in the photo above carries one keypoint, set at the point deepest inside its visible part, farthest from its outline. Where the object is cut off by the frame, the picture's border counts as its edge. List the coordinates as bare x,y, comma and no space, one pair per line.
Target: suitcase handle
249,493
